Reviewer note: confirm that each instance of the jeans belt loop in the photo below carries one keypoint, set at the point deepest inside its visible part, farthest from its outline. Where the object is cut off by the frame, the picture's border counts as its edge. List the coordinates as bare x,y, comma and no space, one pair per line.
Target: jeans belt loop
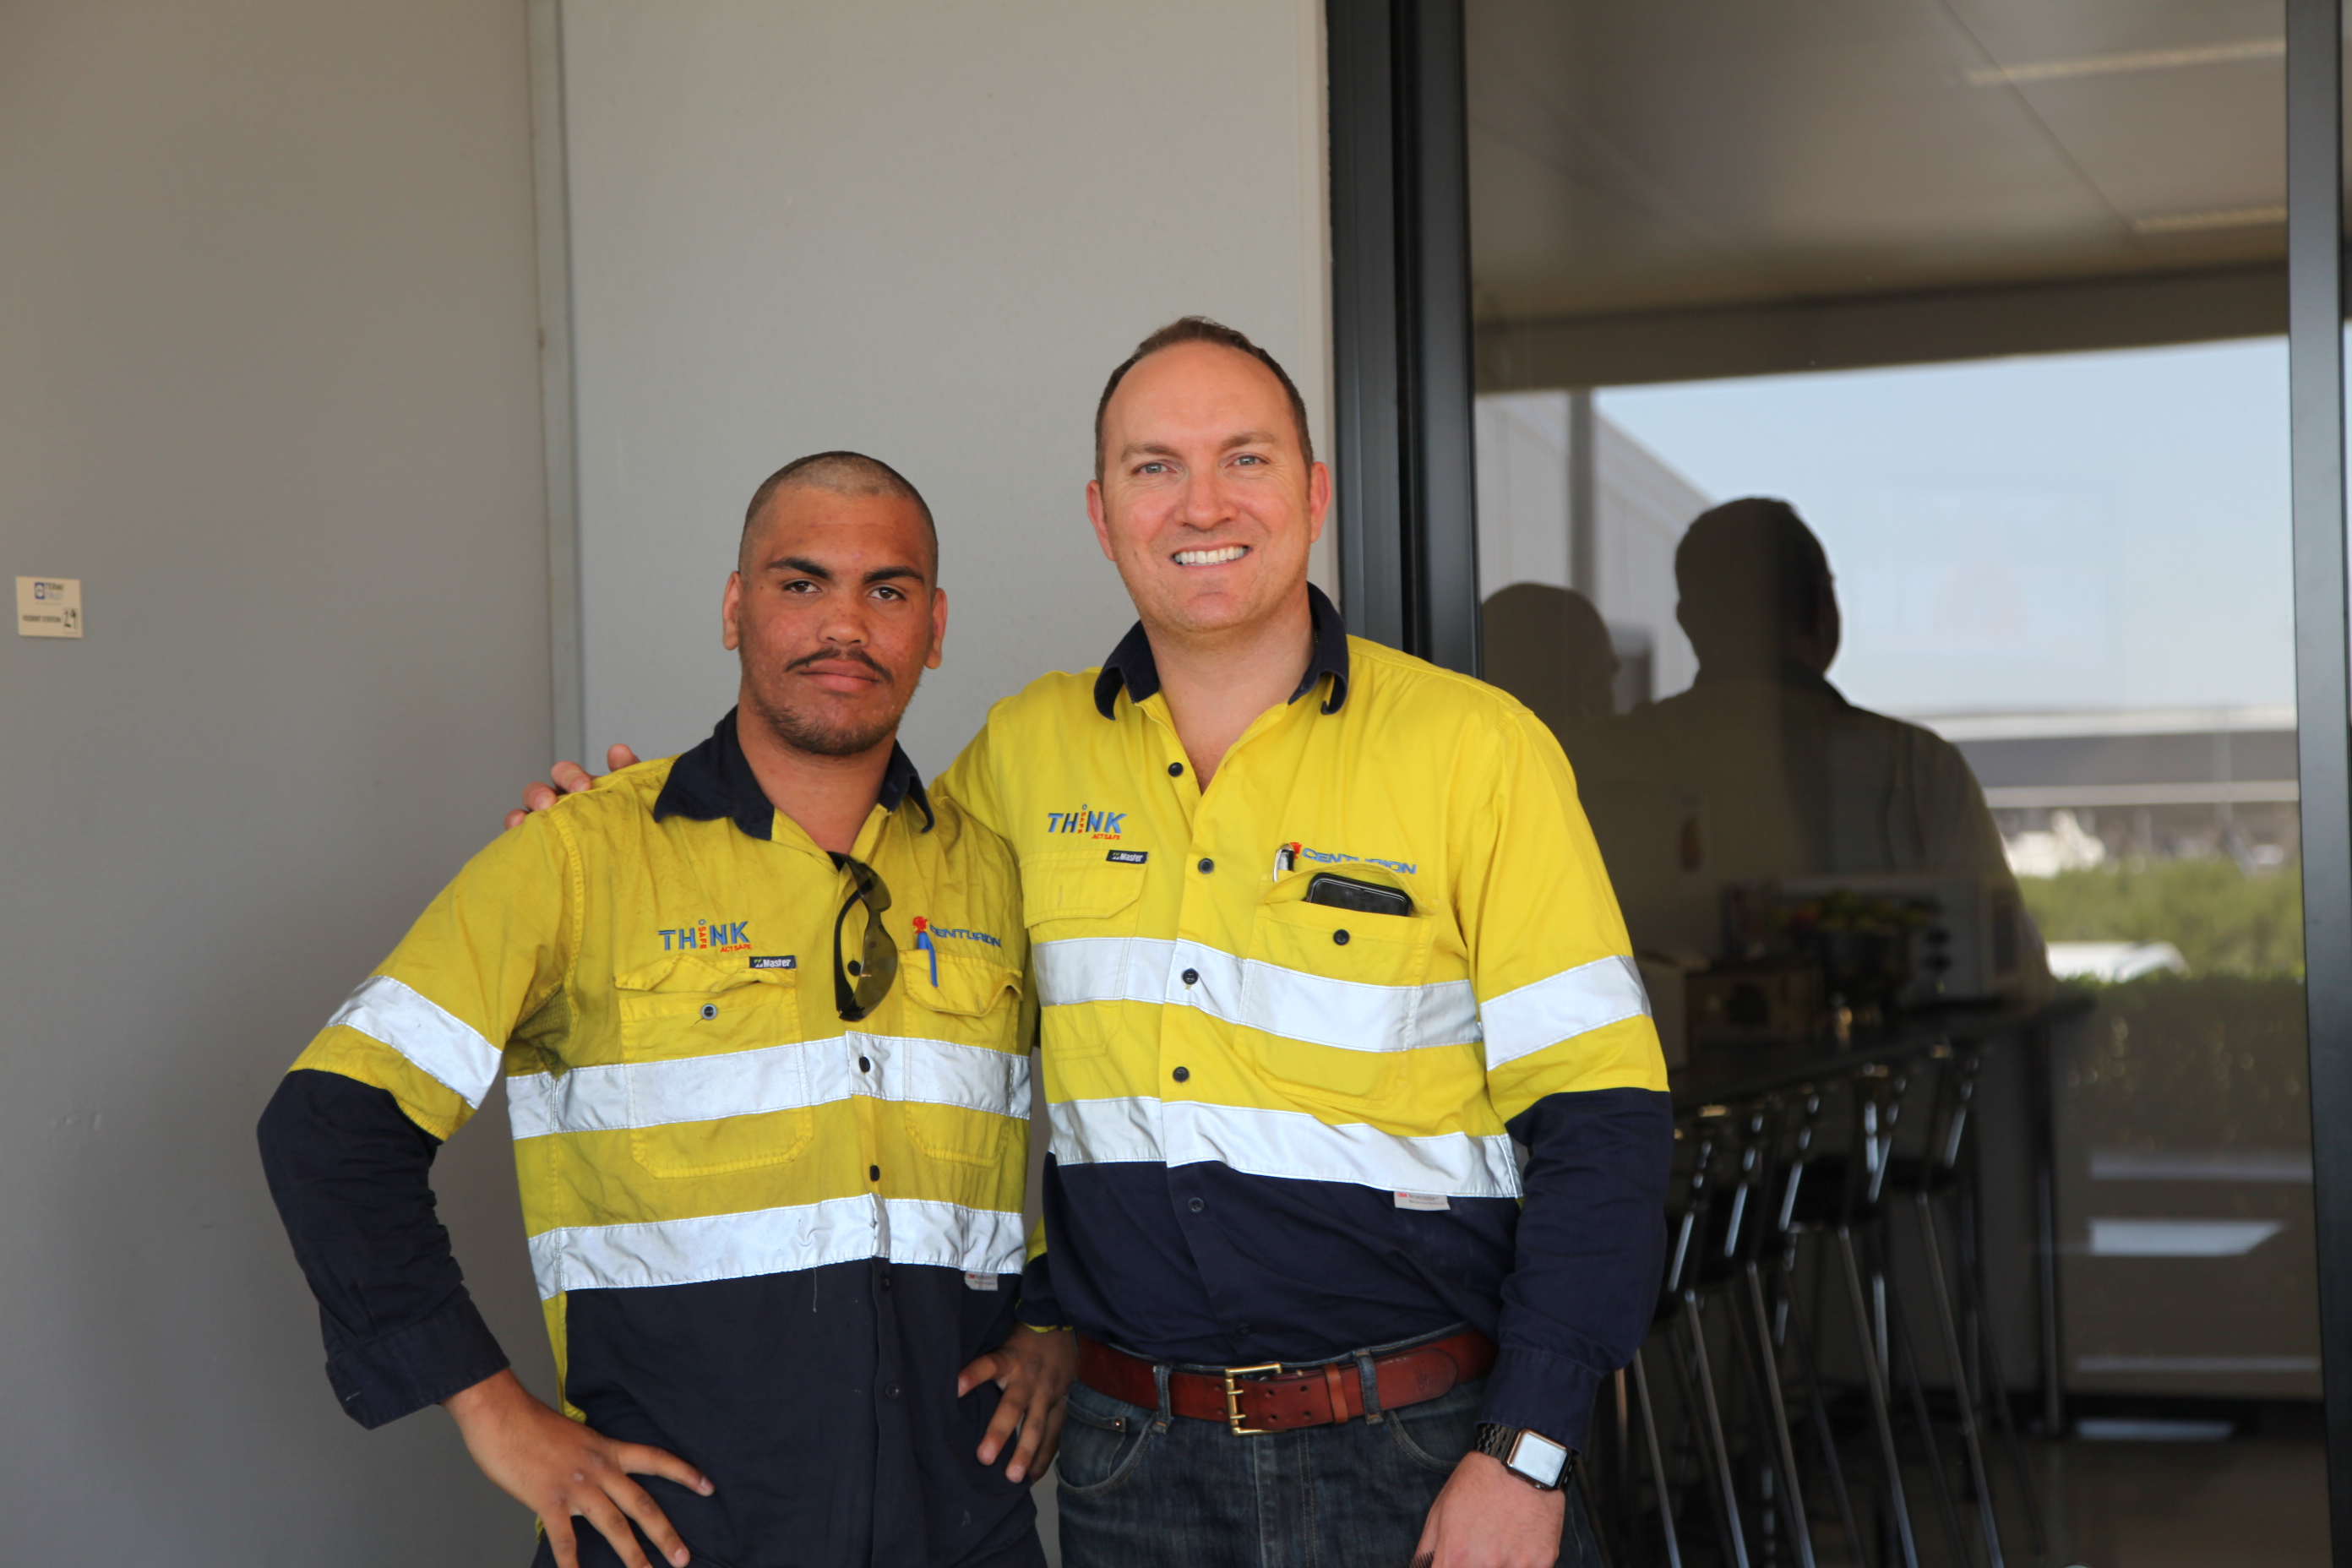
1371,1378
1159,1383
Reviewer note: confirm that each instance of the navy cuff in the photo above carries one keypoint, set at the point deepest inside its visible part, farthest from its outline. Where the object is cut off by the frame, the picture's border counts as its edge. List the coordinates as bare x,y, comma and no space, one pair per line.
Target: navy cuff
1542,1393
424,1363
1038,1308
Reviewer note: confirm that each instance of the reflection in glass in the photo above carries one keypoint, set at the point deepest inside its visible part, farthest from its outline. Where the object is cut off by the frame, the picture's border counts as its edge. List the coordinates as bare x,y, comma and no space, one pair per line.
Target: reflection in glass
1882,464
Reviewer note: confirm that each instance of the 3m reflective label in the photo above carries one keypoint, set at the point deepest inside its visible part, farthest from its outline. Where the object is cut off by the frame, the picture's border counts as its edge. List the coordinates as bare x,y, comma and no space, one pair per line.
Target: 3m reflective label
617,1096
1561,1007
1286,1143
439,1043
776,1241
1252,994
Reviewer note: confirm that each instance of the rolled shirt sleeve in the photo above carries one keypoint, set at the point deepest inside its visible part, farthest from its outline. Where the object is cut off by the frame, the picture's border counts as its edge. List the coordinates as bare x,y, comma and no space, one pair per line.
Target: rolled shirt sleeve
1574,1068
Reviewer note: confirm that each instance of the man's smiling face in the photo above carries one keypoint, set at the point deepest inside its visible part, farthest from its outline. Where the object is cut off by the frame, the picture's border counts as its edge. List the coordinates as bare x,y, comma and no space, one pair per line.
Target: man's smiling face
835,616
1206,504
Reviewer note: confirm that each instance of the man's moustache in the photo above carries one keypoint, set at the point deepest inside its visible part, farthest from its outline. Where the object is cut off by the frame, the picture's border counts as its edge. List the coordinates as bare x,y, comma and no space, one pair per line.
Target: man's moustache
844,656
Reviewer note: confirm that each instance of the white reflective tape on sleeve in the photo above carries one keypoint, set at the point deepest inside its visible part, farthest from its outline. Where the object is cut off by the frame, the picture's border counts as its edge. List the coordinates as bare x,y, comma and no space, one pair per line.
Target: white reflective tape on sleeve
1252,994
1286,1143
777,1241
1105,1131
621,1095
1562,1006
435,1040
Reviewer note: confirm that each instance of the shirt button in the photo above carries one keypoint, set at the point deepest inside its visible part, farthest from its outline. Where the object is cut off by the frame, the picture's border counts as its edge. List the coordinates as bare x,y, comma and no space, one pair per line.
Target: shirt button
1181,1074
1207,865
1195,1204
1175,770
873,1173
1192,978
889,1391
1243,1330
709,1010
864,1064
854,968
1341,937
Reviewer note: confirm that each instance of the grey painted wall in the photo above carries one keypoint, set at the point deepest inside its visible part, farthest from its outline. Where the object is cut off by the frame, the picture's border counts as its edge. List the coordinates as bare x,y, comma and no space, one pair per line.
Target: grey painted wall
924,230
268,384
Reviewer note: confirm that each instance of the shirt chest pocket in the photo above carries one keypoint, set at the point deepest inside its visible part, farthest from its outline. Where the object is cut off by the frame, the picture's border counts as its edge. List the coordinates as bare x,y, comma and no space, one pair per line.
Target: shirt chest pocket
961,1074
717,1073
1081,909
1332,998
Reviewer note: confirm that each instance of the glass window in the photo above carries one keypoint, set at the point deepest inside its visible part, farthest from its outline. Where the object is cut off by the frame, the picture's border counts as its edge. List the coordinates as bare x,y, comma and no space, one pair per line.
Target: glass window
1883,486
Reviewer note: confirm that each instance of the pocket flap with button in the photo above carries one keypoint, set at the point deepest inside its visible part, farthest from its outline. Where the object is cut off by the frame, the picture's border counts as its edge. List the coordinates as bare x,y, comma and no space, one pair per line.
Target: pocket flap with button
1076,885
968,986
688,1005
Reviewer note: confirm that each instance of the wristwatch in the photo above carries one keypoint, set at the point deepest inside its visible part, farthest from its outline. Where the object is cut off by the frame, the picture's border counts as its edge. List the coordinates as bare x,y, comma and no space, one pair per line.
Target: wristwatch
1530,1456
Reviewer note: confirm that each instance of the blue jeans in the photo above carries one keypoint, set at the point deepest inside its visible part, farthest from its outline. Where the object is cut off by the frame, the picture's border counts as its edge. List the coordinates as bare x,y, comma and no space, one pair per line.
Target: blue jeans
1144,1488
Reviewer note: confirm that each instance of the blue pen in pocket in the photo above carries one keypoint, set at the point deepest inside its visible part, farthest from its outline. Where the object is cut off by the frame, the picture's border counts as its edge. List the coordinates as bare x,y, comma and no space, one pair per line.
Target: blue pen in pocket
923,943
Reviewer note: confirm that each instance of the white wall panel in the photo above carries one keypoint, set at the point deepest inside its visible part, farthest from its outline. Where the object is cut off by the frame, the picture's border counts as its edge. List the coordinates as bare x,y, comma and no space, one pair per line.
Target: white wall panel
921,230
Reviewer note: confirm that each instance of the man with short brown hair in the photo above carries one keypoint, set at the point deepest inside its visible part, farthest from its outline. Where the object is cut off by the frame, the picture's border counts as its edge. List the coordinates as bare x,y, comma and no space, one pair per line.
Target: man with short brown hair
1318,931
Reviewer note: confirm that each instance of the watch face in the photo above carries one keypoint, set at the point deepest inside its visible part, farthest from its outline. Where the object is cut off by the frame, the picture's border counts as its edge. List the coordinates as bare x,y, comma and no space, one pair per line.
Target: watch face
1538,1459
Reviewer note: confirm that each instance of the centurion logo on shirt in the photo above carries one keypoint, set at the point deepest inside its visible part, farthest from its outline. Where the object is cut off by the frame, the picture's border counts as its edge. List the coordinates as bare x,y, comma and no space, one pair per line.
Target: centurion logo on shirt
964,934
1094,824
1290,854
718,936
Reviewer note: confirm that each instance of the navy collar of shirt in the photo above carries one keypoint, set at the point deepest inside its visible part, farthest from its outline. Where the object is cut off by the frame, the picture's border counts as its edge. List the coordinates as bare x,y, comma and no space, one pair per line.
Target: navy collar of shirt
716,779
1130,664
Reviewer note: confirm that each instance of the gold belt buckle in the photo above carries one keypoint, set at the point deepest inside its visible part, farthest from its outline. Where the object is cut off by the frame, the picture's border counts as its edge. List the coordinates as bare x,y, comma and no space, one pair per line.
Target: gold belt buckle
1234,1398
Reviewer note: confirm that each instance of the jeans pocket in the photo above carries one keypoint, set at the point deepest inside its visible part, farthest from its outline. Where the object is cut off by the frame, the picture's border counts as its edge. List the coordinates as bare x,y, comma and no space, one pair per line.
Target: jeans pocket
1103,1441
1436,1434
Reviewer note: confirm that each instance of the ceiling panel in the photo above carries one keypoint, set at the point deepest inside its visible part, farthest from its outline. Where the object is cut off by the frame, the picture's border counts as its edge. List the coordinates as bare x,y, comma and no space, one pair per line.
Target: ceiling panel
1680,153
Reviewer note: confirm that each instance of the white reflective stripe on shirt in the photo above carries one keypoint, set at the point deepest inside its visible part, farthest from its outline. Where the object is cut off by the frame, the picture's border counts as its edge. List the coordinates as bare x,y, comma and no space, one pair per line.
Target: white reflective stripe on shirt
1562,1006
777,1241
1102,969
613,1096
1252,994
436,1041
1288,1143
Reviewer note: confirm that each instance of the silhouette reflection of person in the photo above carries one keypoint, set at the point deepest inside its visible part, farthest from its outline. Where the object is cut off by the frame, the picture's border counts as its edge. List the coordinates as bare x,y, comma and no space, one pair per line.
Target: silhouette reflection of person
1549,647
1763,769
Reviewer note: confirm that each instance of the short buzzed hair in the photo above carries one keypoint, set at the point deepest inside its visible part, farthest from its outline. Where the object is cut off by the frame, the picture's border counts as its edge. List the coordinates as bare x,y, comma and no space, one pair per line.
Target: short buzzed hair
1200,330
842,473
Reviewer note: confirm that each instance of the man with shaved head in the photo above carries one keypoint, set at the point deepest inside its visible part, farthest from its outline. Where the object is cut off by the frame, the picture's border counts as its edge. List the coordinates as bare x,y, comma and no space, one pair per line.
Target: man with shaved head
758,1014
1318,931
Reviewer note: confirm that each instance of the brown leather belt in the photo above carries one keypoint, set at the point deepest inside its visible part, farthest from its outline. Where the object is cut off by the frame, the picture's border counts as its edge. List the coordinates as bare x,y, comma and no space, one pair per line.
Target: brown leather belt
1252,1399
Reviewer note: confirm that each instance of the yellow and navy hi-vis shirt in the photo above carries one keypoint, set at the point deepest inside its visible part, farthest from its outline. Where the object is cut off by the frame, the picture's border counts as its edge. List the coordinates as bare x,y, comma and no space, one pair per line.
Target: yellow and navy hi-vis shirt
764,1238
1282,1128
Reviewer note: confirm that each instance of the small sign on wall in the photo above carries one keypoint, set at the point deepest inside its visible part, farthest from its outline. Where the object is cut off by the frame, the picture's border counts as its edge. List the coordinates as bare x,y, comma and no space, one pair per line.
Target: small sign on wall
49,607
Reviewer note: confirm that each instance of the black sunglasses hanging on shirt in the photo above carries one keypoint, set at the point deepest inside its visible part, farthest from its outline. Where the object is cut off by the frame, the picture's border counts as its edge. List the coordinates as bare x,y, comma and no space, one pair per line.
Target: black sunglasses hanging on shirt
859,985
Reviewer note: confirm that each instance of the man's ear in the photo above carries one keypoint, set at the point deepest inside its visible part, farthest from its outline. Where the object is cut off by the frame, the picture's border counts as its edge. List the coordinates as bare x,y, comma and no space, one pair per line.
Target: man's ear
1318,500
939,626
1095,516
729,635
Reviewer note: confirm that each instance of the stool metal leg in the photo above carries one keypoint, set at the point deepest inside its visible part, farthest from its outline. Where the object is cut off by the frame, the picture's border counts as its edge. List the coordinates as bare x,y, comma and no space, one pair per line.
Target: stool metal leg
1718,1448
1821,1414
1768,1378
1964,1395
1649,1413
1900,1335
1875,1376
2004,1418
